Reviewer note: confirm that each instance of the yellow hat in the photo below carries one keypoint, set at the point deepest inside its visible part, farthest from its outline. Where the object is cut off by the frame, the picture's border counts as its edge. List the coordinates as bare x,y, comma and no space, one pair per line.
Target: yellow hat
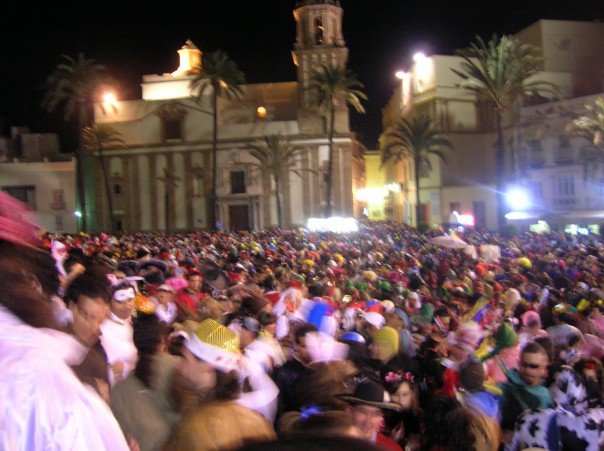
524,262
215,344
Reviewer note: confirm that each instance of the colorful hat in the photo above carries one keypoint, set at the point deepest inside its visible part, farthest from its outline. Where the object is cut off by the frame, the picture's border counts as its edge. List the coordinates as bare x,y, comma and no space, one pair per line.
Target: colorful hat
167,288
375,319
388,336
467,336
215,344
529,317
324,348
143,304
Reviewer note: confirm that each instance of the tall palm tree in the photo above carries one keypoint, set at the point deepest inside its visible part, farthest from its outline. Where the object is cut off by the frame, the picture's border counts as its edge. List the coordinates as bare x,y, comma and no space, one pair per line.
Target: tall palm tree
276,157
72,86
590,127
335,84
98,138
500,72
222,77
414,137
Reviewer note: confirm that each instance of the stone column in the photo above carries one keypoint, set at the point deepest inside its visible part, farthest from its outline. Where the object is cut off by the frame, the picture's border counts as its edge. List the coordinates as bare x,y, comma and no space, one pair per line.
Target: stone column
153,174
135,195
188,185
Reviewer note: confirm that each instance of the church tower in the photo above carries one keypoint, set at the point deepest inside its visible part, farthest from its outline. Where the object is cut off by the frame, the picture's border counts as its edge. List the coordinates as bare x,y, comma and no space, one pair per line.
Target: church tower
319,41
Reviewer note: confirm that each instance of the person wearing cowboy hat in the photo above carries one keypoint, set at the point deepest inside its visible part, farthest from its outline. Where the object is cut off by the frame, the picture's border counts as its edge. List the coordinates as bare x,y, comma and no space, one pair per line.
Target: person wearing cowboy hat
366,405
213,365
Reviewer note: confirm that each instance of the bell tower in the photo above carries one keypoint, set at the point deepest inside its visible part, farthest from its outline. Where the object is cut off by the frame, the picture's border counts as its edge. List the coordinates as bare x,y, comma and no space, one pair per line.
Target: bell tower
319,41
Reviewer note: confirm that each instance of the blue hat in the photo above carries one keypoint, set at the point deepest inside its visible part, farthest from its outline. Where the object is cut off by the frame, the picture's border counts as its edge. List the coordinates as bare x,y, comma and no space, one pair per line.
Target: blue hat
355,337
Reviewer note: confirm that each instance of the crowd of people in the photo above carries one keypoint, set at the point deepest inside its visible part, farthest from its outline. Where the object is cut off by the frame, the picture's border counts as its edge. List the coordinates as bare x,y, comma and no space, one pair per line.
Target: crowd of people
292,339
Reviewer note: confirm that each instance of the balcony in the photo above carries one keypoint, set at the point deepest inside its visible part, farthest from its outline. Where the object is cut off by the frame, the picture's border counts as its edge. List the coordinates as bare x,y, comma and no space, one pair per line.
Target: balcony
536,159
57,205
565,203
564,156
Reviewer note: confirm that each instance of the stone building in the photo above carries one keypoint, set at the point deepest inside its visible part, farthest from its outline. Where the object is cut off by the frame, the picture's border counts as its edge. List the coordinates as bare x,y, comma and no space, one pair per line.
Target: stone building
33,170
168,135
574,60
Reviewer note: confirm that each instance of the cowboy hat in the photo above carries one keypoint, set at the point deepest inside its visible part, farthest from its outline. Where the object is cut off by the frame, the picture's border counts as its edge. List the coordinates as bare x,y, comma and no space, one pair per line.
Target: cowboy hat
370,393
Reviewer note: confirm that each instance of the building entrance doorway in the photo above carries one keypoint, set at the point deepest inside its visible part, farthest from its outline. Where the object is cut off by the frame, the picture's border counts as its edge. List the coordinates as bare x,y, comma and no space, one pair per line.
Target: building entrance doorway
239,217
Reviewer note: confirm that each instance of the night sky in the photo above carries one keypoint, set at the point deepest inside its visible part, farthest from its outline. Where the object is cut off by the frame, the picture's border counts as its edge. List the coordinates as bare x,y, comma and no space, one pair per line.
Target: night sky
136,38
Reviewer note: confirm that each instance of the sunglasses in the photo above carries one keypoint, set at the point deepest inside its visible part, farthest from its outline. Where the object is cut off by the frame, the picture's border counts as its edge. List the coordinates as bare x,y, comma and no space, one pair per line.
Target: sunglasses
532,366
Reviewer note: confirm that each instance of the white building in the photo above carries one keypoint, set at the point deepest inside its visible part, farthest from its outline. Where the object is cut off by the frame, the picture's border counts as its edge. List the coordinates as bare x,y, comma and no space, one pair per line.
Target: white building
33,171
167,130
574,55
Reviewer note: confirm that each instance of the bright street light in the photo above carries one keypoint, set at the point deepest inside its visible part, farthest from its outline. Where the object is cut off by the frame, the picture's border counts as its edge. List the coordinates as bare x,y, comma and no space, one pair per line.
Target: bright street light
78,214
419,56
518,199
109,97
400,74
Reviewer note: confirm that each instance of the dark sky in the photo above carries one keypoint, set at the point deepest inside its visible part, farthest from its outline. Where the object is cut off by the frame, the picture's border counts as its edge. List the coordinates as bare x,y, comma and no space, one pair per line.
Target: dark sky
136,38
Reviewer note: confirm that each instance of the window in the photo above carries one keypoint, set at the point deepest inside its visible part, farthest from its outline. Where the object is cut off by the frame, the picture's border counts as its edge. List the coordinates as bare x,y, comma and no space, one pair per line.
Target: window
118,225
319,36
564,191
173,129
59,222
58,202
480,214
117,188
26,194
237,182
454,206
564,185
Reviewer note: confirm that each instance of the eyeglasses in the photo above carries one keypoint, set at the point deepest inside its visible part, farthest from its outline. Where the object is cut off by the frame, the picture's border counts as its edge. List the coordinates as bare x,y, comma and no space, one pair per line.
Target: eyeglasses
532,366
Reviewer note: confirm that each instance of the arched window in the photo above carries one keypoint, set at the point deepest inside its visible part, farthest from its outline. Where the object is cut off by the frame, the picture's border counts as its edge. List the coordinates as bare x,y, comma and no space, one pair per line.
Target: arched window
319,35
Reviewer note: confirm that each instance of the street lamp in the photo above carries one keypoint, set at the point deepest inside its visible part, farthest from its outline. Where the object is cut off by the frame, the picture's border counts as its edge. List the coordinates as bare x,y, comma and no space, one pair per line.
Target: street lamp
518,199
419,57
109,97
109,101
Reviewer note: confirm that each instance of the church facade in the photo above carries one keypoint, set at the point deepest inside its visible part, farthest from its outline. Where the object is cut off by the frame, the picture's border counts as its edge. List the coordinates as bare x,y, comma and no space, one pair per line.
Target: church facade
160,177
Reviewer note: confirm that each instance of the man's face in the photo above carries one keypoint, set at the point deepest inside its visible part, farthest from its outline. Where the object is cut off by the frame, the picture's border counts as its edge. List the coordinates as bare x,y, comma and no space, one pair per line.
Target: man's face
163,297
380,350
88,315
122,310
533,368
195,283
302,351
198,373
367,420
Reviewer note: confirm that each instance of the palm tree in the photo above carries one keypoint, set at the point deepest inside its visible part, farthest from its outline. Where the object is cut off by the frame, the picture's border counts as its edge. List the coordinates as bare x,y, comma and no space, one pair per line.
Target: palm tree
590,127
276,157
98,138
500,72
221,75
335,84
414,137
71,86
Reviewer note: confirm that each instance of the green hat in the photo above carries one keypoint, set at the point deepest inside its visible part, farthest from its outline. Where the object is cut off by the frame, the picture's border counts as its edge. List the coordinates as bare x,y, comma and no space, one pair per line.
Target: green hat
427,312
505,337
